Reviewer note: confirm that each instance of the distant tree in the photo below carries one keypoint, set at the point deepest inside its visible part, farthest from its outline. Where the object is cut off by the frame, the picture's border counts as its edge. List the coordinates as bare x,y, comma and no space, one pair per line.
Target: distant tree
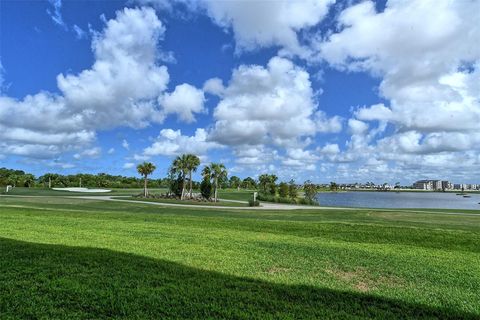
292,189
310,190
180,166
145,169
206,188
207,173
234,182
192,164
272,186
267,183
13,179
248,183
333,186
263,181
283,190
216,172
28,180
176,185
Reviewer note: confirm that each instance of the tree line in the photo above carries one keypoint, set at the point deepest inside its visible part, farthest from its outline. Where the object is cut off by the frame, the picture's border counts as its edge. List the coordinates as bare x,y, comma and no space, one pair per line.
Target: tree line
20,178
179,181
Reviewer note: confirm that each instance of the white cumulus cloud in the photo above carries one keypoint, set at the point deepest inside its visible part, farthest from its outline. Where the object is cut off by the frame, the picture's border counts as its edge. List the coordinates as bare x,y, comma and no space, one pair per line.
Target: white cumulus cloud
185,100
172,143
273,104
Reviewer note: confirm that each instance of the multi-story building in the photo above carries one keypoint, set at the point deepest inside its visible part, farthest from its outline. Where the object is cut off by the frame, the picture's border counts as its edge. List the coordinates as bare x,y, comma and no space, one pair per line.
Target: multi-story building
447,185
437,185
432,185
423,185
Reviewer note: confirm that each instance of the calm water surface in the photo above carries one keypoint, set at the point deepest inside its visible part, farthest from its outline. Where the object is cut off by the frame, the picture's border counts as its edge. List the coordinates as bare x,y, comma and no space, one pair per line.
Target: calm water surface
391,199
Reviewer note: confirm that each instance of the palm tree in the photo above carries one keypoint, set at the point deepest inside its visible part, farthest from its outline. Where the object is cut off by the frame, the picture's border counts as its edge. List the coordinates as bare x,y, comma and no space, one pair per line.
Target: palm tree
28,180
207,173
13,179
216,172
192,164
145,169
180,165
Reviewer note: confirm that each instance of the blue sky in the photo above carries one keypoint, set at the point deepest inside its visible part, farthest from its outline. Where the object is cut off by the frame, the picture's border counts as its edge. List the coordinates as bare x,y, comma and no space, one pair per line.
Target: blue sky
347,91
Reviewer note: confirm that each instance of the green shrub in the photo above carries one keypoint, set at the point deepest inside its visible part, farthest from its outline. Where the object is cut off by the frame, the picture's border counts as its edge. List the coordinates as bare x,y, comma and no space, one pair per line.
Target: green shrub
206,189
265,197
270,198
272,189
308,202
292,189
310,190
285,200
252,203
283,190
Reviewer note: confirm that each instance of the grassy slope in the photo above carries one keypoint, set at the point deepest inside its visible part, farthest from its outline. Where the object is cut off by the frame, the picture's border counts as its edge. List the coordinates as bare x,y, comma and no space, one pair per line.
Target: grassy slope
232,194
90,259
220,203
52,193
229,194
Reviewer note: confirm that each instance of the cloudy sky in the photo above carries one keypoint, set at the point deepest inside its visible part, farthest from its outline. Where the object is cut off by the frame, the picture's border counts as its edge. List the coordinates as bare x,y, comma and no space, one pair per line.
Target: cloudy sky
327,90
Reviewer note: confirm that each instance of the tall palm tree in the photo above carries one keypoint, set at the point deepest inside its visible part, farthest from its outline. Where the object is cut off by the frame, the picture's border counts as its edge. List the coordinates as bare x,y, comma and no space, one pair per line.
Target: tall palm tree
192,164
145,169
216,172
180,165
207,173
28,180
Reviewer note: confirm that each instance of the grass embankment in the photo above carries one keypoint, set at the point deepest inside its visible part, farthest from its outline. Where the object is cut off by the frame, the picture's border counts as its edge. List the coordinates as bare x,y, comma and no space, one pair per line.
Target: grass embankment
233,194
230,194
72,258
220,203
52,193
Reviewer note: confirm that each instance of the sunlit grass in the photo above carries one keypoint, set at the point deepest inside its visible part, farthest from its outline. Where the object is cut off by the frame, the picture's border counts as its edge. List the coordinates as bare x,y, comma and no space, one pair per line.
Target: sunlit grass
72,258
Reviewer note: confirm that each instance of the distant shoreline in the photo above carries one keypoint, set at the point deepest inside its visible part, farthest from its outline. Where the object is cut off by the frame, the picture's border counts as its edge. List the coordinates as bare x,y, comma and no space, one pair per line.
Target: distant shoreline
402,190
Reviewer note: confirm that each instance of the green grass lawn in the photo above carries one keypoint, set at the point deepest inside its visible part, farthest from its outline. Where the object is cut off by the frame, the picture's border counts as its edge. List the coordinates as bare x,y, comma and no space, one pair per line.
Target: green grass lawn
229,194
85,259
50,193
233,194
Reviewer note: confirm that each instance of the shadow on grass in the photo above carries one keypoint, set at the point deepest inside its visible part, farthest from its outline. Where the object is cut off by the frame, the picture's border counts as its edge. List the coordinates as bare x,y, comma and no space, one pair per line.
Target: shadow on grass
54,281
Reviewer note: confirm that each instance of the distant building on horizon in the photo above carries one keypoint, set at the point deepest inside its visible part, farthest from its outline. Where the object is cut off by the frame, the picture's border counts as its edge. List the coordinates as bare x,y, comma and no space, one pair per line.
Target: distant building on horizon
441,185
435,185
423,185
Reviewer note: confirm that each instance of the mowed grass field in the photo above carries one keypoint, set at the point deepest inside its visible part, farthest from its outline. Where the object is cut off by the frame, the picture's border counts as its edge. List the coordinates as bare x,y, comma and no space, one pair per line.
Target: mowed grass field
53,193
87,259
229,194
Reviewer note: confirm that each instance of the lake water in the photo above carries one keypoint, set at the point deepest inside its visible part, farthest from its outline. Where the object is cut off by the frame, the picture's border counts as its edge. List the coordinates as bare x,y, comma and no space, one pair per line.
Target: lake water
391,199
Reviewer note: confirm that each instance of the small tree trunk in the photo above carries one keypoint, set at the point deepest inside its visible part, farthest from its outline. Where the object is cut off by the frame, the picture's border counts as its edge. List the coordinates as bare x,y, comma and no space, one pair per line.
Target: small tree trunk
216,187
145,192
191,184
183,189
